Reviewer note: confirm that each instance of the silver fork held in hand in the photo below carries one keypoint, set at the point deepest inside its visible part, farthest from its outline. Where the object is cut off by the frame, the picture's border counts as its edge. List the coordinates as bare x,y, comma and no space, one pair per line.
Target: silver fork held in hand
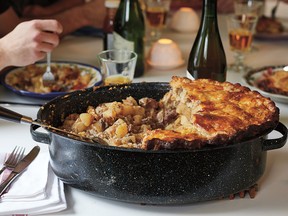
49,61
48,77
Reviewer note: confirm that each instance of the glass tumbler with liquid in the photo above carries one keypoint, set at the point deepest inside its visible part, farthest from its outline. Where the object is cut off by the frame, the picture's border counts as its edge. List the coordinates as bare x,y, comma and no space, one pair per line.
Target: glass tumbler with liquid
117,66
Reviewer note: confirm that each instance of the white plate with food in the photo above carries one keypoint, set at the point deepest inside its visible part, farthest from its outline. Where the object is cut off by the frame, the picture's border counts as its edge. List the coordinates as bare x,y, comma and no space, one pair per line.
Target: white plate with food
270,81
69,76
271,29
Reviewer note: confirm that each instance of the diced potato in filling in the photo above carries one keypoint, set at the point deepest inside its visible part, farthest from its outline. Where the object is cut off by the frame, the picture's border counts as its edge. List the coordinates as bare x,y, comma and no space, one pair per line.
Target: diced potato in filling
120,123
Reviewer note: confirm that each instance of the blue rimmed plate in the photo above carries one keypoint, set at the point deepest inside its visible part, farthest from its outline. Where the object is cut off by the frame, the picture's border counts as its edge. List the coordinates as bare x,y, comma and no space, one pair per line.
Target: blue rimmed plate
95,79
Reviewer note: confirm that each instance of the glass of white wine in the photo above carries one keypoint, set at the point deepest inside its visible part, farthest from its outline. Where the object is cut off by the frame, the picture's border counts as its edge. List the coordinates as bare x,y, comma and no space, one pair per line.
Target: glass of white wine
250,8
156,12
241,28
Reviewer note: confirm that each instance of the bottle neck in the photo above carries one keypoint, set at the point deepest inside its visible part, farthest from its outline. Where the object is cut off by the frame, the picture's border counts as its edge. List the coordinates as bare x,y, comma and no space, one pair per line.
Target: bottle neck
209,9
129,9
209,15
130,3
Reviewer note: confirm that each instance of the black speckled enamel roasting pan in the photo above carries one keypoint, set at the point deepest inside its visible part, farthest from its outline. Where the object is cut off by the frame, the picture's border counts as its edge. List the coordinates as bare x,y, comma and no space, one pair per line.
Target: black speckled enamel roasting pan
149,177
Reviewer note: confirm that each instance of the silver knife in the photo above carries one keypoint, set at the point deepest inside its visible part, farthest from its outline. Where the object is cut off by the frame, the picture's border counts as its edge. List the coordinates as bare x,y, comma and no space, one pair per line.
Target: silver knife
21,166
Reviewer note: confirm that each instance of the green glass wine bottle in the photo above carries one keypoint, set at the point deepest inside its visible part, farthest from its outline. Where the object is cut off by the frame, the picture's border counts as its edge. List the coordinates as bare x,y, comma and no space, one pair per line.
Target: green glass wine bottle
129,31
207,58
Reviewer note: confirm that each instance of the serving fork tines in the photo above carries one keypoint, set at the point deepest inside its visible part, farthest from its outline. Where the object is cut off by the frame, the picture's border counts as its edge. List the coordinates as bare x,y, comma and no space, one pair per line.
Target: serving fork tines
14,157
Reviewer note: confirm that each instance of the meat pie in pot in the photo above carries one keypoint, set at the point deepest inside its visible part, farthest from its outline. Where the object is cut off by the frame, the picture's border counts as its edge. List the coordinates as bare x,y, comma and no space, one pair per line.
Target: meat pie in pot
191,115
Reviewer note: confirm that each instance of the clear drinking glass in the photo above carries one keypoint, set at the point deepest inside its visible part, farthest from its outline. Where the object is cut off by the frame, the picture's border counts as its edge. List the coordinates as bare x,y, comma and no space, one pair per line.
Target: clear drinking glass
156,12
240,29
117,66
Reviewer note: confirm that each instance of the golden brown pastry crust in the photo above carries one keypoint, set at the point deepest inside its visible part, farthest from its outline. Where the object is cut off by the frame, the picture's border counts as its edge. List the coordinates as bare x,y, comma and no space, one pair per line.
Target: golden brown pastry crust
211,112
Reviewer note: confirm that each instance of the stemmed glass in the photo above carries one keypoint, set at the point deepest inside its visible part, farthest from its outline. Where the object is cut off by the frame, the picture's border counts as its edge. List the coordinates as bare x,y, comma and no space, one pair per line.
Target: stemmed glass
250,8
240,29
156,12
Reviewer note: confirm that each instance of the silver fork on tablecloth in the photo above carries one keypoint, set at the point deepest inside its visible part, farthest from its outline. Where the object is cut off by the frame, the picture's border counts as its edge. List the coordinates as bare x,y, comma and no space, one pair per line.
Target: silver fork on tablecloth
14,157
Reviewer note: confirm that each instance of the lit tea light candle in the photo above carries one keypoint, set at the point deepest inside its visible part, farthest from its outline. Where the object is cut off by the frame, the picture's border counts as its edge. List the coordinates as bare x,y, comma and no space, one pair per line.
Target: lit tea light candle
185,9
185,20
165,54
165,41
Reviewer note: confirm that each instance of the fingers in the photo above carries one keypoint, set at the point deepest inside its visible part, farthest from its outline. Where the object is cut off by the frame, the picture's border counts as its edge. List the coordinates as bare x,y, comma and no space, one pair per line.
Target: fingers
49,25
45,47
46,42
30,41
50,38
47,36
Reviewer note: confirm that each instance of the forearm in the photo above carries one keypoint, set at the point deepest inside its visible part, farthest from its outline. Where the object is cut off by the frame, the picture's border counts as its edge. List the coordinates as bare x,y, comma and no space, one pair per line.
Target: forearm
90,14
62,5
225,6
71,20
9,25
36,11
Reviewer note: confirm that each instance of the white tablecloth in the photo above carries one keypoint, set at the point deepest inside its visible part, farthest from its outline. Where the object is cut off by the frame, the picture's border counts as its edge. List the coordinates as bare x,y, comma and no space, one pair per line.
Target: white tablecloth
272,196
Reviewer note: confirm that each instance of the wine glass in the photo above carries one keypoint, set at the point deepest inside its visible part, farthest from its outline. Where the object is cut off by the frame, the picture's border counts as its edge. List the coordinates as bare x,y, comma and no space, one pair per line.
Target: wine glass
240,29
156,12
250,8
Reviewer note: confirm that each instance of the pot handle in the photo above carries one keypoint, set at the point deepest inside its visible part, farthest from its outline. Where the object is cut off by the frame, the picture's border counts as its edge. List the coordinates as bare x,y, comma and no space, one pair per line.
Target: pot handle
39,136
270,144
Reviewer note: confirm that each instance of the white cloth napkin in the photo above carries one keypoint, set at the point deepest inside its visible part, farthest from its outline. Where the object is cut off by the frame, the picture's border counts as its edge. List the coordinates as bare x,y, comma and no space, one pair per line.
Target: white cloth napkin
36,191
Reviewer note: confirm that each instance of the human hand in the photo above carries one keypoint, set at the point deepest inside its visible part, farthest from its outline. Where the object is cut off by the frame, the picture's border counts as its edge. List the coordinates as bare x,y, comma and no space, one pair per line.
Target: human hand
29,42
